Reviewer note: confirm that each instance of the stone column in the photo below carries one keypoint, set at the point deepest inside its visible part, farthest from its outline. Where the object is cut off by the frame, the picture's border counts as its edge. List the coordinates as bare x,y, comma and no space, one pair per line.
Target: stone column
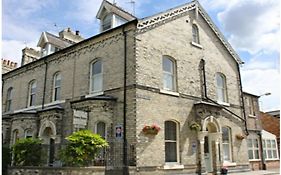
201,139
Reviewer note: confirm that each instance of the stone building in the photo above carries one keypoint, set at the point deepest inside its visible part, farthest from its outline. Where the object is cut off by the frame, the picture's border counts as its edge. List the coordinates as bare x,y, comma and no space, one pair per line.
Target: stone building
172,71
262,144
7,65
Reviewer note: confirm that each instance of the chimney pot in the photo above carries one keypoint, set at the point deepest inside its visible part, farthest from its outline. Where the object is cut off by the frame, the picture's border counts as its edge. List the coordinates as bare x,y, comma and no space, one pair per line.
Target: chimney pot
77,32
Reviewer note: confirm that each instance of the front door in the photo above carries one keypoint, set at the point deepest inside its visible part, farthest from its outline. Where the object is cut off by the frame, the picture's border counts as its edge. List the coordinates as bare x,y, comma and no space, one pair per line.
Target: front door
208,154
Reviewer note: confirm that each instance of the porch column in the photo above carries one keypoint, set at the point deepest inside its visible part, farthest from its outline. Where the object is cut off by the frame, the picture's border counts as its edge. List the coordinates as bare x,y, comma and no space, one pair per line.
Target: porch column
201,138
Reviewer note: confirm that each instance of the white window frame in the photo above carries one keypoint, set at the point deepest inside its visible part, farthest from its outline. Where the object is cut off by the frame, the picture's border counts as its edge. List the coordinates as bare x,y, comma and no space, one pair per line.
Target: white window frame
253,148
56,88
15,135
93,77
105,129
31,94
28,133
172,141
266,149
229,143
195,34
106,20
172,74
222,89
9,99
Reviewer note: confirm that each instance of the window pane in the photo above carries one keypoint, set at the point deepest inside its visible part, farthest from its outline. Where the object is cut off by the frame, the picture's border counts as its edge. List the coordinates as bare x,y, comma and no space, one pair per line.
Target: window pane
171,151
96,68
226,152
269,154
32,100
97,83
220,81
101,129
225,135
167,65
257,156
57,94
273,144
274,152
256,144
249,141
220,94
168,81
251,156
268,144
170,131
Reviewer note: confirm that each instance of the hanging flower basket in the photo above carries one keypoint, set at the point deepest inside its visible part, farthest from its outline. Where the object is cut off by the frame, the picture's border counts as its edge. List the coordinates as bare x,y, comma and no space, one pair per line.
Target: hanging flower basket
240,136
151,130
195,126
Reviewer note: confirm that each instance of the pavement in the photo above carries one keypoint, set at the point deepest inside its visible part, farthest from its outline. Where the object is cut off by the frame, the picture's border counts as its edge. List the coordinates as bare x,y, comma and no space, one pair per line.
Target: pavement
259,172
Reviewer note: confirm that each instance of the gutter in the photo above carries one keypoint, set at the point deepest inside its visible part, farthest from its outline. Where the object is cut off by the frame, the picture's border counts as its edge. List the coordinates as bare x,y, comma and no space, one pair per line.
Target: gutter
125,144
202,62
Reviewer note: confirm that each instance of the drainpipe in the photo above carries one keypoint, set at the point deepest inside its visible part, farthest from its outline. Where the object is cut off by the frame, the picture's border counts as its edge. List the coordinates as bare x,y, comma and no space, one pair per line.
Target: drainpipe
206,96
262,157
45,81
242,100
125,154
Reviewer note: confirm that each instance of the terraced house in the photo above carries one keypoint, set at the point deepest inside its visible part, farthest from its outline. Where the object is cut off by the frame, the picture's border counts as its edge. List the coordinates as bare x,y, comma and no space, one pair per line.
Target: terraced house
165,91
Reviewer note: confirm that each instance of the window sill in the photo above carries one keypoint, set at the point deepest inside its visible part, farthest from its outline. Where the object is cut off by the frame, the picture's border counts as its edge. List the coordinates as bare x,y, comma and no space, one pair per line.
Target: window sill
176,94
39,106
93,94
229,164
254,160
275,159
196,45
252,116
173,166
223,103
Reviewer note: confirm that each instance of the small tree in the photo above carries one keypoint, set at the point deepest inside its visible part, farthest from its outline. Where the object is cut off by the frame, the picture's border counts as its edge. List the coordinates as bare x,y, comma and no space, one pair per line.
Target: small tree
82,147
27,152
6,158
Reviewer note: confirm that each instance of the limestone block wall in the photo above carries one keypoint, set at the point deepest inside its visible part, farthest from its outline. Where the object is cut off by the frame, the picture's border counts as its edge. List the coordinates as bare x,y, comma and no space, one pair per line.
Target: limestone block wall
174,39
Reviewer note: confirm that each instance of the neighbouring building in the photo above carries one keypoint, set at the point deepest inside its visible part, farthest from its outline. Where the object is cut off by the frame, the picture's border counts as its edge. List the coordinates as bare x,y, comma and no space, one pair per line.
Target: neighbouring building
8,65
271,125
172,71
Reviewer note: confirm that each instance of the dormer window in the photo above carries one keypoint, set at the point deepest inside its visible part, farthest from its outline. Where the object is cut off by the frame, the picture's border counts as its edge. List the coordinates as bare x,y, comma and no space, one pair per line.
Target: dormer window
107,22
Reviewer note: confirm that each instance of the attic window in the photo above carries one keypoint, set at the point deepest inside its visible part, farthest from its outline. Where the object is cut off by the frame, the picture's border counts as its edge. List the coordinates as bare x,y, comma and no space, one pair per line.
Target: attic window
107,22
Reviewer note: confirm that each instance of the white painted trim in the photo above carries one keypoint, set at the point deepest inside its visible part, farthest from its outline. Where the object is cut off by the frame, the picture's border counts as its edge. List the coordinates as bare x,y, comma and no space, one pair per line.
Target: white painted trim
196,45
252,116
173,166
229,164
223,103
94,94
162,91
39,106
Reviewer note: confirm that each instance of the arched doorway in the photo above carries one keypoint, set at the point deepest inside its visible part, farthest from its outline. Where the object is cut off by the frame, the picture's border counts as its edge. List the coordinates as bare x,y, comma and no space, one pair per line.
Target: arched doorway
209,138
49,142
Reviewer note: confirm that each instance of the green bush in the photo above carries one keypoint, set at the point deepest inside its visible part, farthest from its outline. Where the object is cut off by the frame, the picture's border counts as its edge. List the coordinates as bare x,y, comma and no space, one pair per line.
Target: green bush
27,152
82,147
6,158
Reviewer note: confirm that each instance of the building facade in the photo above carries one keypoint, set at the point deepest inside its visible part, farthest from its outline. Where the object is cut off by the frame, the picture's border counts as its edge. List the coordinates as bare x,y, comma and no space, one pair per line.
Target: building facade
173,71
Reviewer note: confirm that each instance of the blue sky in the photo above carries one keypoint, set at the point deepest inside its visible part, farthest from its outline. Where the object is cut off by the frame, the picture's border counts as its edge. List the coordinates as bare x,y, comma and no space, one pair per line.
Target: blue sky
251,26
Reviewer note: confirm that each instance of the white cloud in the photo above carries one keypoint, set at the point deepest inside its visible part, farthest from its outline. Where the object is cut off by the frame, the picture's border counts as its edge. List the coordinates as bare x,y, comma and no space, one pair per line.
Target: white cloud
12,49
259,81
253,26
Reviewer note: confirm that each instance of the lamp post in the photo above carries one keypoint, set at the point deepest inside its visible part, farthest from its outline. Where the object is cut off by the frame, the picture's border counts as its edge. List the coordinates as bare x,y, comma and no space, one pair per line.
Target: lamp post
260,137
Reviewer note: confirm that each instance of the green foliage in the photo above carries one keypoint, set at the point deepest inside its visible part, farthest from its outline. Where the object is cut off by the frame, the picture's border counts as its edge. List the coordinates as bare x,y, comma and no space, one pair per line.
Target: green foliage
82,148
6,158
27,152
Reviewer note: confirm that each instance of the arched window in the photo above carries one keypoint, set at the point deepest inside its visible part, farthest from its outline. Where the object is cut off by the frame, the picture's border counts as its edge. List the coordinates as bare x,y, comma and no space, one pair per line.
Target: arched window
9,99
221,87
171,142
169,73
96,76
15,135
101,129
226,144
57,87
32,93
107,22
195,34
28,133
